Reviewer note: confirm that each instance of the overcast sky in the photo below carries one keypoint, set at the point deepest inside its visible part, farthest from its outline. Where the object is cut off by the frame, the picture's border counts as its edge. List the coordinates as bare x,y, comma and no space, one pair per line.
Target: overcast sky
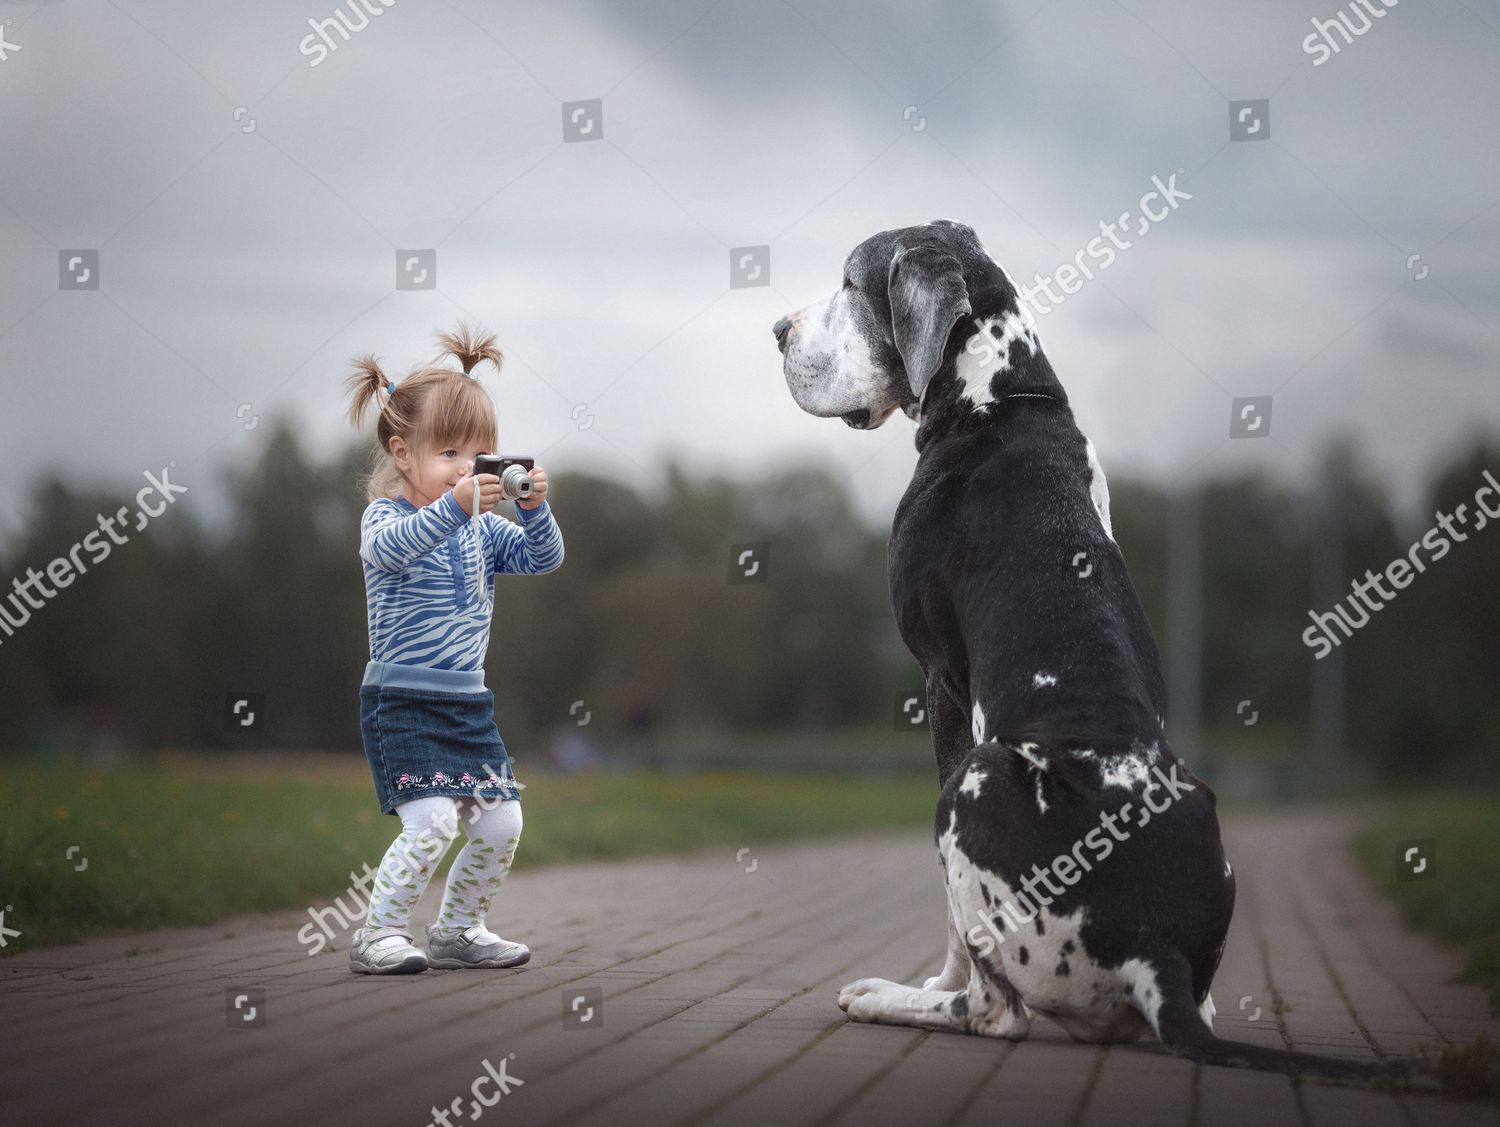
246,253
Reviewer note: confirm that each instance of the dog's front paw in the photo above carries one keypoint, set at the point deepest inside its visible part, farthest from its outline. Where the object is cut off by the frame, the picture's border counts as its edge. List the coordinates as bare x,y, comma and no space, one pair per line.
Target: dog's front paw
862,986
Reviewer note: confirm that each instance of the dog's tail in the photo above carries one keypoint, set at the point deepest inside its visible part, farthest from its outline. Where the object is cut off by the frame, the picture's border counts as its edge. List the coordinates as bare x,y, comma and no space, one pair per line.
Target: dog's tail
1166,999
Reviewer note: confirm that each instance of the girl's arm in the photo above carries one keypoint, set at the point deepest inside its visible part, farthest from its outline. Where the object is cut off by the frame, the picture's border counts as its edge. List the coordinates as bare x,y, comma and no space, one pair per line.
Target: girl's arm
390,538
533,547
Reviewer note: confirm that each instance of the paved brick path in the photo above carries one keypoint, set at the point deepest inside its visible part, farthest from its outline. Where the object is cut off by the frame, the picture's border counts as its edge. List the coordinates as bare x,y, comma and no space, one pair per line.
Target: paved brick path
716,1005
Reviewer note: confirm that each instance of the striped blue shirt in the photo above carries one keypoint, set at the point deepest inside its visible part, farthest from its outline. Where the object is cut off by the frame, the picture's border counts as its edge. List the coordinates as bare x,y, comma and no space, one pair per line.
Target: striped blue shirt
420,576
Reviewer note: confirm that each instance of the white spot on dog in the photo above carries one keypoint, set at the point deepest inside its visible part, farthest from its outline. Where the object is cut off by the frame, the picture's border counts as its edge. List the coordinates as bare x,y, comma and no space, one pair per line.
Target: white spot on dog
1099,489
1028,752
1142,978
1207,1011
1130,771
1043,680
973,778
983,357
1228,870
978,725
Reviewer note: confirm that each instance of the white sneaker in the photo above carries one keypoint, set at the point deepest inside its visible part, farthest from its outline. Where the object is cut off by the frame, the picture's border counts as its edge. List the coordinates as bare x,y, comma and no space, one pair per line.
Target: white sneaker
385,950
474,946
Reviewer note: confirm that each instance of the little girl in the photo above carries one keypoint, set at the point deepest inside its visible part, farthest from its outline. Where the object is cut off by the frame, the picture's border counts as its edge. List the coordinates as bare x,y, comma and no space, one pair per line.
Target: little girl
431,549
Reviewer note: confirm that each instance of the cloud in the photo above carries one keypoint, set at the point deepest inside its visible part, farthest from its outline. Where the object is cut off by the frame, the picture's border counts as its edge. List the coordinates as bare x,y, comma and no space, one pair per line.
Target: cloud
248,267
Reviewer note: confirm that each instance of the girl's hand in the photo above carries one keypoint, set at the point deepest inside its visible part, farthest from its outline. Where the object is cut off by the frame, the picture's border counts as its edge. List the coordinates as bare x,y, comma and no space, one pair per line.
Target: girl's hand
489,491
538,488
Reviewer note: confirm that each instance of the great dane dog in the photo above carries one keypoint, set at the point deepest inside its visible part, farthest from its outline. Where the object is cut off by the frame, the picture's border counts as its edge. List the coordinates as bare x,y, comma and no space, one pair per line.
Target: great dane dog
1085,876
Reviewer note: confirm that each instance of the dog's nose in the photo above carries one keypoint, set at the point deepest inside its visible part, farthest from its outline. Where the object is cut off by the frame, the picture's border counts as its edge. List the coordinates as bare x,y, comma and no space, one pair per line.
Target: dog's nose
779,331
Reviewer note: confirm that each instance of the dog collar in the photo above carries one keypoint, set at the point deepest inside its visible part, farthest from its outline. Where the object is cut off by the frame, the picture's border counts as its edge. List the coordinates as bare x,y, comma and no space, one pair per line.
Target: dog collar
917,418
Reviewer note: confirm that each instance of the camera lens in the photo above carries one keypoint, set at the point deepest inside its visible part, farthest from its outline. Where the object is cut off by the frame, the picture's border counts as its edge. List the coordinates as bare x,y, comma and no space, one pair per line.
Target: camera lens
515,483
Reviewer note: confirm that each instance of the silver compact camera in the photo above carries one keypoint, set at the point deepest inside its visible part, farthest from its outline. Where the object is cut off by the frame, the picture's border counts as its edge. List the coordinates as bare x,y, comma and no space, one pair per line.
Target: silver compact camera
514,474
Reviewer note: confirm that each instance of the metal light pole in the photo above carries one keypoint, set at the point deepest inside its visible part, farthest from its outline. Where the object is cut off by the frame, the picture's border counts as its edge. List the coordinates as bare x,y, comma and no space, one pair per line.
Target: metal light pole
1185,627
1328,674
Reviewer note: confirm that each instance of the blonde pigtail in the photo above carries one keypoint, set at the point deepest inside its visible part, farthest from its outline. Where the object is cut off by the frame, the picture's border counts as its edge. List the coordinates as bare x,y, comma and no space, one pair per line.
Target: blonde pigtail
470,346
365,384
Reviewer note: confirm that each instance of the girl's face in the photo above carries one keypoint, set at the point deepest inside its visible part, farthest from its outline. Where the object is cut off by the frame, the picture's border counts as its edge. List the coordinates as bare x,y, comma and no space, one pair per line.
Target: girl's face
428,478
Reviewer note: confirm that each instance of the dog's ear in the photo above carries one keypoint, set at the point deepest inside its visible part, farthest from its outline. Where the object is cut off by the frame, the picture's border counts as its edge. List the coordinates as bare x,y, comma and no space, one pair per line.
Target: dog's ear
928,295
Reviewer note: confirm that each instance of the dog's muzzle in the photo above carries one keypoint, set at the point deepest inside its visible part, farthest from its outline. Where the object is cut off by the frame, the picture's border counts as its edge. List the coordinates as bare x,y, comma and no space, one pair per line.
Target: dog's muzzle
780,331
859,420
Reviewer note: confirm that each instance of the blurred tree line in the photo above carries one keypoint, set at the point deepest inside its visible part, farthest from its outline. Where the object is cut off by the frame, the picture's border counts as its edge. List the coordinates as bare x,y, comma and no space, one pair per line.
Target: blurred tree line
642,624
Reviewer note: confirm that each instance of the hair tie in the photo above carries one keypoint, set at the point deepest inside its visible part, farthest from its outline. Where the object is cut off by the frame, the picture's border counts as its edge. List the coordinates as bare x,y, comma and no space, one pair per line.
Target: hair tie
390,387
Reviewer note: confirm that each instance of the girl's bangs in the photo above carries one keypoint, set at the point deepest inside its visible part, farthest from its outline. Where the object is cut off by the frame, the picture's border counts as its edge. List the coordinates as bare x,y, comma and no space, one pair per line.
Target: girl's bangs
457,412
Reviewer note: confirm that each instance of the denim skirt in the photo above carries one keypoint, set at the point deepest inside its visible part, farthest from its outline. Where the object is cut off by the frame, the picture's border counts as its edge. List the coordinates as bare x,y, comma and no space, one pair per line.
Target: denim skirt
432,731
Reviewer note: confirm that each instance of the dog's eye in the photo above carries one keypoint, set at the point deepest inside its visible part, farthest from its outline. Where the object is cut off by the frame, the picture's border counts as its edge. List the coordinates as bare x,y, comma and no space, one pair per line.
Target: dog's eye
848,282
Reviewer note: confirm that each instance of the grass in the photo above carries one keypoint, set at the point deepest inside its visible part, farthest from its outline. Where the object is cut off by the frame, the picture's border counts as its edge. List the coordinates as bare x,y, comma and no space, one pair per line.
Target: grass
187,841
1461,901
